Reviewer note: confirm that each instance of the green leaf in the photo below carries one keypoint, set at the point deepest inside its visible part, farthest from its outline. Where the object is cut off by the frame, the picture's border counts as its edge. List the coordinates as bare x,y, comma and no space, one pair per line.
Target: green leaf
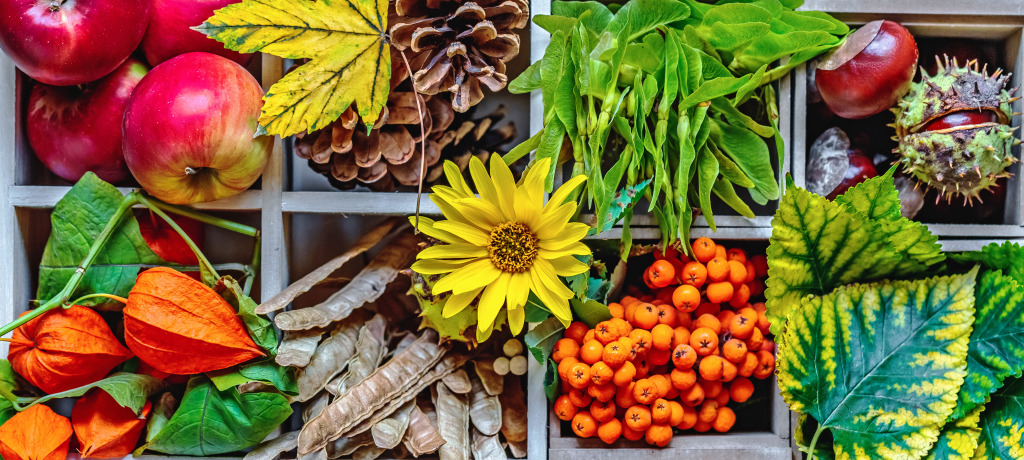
271,373
129,390
596,21
707,172
7,386
552,383
750,153
996,349
541,339
818,245
535,311
725,191
527,81
1002,424
346,42
803,434
590,312
958,439
622,201
211,422
77,220
879,364
1006,257
638,17
878,200
260,328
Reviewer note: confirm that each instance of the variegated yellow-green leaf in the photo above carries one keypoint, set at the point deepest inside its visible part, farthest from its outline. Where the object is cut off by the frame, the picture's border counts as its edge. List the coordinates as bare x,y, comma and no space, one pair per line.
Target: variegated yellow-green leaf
345,40
1002,424
997,343
818,245
879,365
1006,257
958,439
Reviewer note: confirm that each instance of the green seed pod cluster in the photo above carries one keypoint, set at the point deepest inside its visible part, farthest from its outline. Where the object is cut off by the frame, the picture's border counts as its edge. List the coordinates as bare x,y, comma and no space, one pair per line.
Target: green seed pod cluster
957,159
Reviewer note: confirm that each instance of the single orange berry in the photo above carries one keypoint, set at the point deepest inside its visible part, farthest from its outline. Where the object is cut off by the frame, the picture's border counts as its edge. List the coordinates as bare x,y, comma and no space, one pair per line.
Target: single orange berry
704,249
684,356
667,315
661,412
631,434
602,411
725,420
658,435
725,319
638,417
694,274
646,316
765,364
645,391
662,337
564,409
694,396
729,371
610,430
576,331
734,350
748,366
624,375
737,272
711,367
712,388
741,389
720,252
564,366
736,254
565,348
680,336
689,418
704,341
708,321
579,376
744,323
591,352
677,411
722,398
756,340
615,353
662,273
602,393
740,296
683,379
642,339
720,292
606,332
662,383
590,335
686,298
584,425
616,310
579,398
718,270
707,411
624,396
659,357
751,271
601,373
702,427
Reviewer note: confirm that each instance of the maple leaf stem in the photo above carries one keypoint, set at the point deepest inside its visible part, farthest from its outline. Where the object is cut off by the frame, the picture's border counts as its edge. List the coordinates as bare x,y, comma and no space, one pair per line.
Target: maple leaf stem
423,144
64,295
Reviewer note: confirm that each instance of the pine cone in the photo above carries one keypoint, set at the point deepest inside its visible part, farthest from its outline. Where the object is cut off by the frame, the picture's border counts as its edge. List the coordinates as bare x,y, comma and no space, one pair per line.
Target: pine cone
457,45
463,137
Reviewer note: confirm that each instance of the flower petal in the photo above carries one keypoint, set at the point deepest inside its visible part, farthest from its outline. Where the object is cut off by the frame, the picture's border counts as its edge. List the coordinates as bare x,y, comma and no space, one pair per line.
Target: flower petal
467,232
482,334
571,233
518,290
550,279
556,305
480,210
533,180
455,214
438,267
504,184
458,302
575,249
454,175
452,251
516,318
491,301
426,225
484,184
563,192
474,275
553,220
568,266
527,208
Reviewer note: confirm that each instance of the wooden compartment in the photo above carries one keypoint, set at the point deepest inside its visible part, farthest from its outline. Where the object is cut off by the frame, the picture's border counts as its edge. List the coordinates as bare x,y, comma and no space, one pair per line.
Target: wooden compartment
998,37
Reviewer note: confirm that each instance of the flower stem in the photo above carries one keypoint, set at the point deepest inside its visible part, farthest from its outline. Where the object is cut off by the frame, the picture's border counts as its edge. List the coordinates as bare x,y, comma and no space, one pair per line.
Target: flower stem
79,300
62,298
204,264
205,218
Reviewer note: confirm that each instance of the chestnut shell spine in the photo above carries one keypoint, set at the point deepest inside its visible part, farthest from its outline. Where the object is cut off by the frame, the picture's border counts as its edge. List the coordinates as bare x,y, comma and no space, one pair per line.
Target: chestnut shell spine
962,160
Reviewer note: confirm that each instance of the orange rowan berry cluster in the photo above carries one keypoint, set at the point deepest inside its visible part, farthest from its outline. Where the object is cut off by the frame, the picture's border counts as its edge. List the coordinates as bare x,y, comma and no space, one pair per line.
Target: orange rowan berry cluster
674,358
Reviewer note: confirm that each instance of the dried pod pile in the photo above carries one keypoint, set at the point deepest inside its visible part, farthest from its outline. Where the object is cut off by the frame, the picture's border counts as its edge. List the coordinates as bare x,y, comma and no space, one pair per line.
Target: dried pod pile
371,385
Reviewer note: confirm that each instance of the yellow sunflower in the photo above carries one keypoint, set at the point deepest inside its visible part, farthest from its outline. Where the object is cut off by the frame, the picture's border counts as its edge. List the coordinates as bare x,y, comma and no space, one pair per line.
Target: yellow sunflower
503,244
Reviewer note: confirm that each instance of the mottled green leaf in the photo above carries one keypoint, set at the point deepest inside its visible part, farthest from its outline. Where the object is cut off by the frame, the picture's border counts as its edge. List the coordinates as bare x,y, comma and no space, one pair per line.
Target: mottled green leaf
997,342
211,422
541,339
1008,257
77,220
1002,424
958,439
622,201
879,364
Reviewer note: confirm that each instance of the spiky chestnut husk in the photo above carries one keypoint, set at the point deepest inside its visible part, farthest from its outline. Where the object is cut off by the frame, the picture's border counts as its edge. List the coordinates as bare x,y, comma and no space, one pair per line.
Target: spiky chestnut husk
460,327
962,160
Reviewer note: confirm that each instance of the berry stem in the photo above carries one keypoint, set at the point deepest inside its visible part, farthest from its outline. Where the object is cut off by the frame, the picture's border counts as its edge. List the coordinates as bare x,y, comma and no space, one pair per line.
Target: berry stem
814,442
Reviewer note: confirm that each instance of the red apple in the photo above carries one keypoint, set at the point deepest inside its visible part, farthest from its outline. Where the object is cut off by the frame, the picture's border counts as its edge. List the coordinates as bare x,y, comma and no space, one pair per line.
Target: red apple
70,42
189,126
77,129
170,33
869,72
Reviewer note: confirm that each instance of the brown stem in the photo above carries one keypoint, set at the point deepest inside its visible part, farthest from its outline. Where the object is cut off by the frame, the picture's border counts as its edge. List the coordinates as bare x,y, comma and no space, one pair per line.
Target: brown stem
423,142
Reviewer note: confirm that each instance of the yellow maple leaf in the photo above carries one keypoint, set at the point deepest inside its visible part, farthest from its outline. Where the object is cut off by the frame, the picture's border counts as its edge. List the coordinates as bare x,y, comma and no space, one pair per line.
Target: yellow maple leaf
345,40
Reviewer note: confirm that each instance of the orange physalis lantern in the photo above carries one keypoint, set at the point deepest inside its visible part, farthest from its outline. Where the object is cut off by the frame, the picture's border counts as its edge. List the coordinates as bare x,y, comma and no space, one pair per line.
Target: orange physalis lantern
104,428
38,433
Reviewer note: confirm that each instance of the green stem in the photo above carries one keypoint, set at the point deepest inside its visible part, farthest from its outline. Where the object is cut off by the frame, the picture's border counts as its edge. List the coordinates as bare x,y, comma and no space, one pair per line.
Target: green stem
255,264
79,300
205,218
204,263
64,295
814,442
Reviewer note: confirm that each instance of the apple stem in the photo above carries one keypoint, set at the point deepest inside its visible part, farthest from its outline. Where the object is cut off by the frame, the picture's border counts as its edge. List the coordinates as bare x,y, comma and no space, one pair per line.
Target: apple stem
190,171
55,5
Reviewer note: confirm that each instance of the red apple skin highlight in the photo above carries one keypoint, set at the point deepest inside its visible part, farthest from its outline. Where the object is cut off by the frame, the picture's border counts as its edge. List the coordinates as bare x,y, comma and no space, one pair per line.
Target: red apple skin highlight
75,130
875,77
188,130
73,41
170,31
